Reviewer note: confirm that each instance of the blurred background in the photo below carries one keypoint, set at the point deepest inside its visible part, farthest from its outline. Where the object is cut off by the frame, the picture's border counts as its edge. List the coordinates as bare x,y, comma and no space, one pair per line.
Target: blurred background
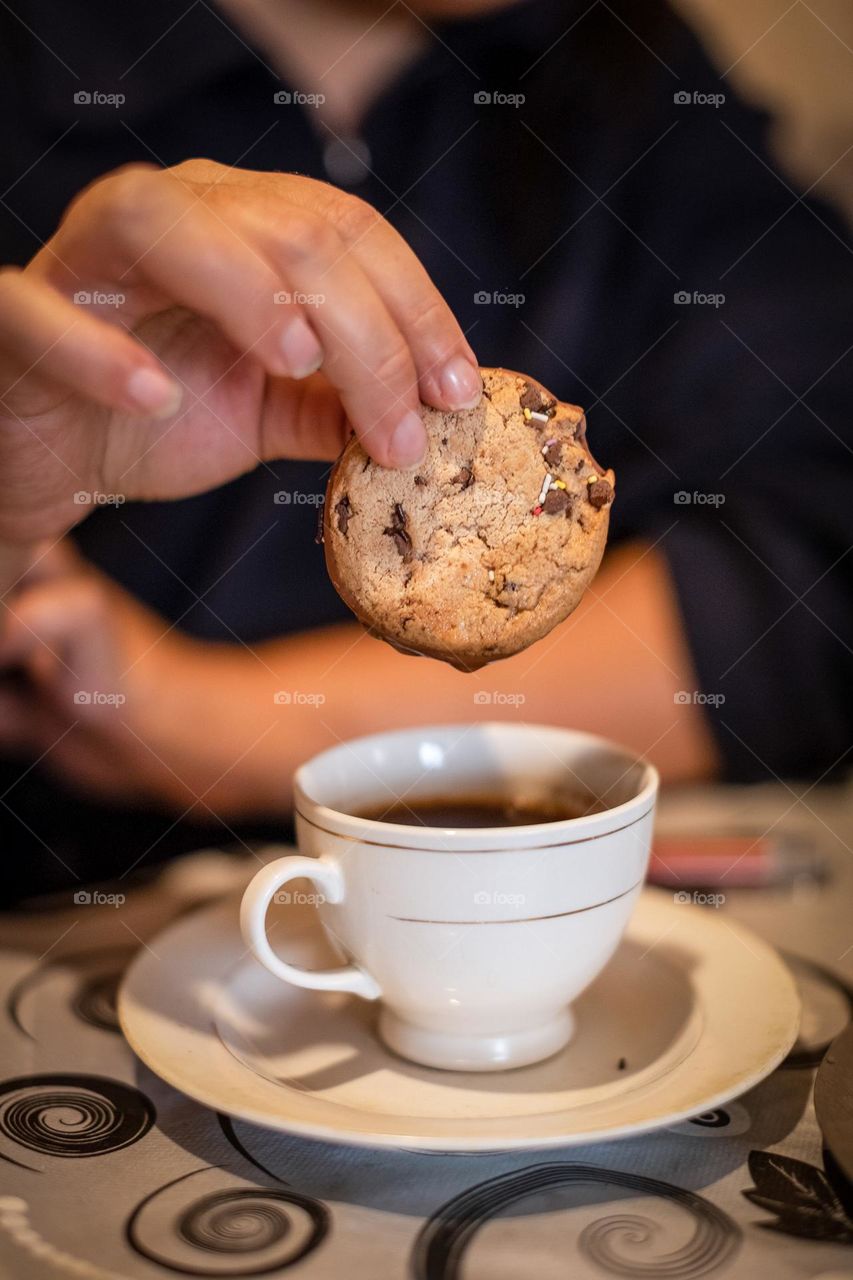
796,61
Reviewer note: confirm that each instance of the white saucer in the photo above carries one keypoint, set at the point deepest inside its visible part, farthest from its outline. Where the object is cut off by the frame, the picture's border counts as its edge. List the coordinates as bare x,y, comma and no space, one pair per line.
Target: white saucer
692,1011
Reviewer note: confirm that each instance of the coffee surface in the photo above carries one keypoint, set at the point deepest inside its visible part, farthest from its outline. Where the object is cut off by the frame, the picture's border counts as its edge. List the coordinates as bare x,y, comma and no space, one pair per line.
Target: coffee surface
481,811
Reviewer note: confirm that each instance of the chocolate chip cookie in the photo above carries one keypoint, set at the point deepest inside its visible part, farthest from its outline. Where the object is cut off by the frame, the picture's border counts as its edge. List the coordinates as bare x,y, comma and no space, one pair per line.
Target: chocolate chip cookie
484,546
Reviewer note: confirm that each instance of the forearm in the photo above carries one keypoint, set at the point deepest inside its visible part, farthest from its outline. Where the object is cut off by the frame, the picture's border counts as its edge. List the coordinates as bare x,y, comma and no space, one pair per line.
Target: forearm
614,668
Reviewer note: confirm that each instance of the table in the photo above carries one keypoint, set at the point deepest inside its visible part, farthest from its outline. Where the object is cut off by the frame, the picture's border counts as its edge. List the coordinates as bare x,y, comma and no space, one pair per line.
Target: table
163,1187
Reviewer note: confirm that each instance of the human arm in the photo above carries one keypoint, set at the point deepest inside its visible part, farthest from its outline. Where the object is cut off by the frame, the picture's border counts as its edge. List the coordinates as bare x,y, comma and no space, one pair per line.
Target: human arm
220,728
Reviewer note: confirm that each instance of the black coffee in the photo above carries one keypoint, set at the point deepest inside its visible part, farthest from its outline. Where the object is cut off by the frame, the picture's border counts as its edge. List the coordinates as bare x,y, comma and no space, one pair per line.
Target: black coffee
481,811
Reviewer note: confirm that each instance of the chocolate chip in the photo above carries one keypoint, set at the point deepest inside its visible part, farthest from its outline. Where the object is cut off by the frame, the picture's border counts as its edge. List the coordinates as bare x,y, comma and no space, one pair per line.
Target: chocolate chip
420,482
343,510
600,493
553,454
444,440
464,478
397,531
536,400
403,543
557,500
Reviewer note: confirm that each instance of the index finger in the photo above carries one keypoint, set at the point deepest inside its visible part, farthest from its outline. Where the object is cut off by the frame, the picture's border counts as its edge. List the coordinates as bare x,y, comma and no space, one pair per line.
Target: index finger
447,369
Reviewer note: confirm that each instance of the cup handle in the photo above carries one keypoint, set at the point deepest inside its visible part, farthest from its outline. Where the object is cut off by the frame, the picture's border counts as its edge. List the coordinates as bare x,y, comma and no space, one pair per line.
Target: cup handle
327,876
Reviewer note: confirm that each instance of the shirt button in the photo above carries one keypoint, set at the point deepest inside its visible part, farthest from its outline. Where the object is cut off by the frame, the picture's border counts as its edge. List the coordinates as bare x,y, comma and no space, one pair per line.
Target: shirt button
347,161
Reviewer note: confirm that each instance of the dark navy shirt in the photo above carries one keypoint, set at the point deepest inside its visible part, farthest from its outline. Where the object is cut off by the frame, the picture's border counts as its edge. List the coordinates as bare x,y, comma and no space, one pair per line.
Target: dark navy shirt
621,234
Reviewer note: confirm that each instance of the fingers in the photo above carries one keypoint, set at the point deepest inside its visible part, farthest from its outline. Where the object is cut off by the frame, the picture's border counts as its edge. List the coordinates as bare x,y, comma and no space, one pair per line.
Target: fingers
366,358
230,251
60,630
447,370
303,420
45,337
151,230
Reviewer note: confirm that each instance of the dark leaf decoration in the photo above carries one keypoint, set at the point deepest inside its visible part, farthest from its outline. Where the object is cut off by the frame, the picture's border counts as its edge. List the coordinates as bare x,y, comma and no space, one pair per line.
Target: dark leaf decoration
801,1197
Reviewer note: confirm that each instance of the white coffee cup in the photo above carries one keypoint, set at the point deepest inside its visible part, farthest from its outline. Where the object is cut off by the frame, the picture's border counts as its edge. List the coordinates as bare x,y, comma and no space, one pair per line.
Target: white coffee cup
476,940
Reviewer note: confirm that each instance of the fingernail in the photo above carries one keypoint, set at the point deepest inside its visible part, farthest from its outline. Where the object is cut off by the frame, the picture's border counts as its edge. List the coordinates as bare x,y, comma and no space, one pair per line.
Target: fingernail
409,442
300,349
155,392
461,384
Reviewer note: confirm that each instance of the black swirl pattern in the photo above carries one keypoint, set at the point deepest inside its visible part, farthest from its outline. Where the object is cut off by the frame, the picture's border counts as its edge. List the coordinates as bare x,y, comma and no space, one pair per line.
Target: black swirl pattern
726,1122
95,1002
234,1222
608,1242
717,1119
226,1124
73,1115
230,1231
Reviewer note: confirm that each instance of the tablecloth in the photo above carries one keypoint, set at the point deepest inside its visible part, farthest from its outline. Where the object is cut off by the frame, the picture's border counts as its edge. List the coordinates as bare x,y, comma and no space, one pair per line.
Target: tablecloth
106,1171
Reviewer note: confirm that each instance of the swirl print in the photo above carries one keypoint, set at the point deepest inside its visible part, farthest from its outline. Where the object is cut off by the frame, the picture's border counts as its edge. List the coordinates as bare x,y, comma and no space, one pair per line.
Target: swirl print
722,1122
228,1231
608,1242
72,1115
234,1222
96,1001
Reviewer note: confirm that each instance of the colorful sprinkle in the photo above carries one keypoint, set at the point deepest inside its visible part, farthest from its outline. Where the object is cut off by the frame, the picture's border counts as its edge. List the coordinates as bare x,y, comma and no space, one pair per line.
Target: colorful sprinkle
546,485
537,511
539,417
559,484
491,575
591,479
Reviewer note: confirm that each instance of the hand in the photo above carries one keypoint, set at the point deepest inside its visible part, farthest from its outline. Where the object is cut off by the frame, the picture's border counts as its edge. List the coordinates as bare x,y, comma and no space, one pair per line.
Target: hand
110,698
204,348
